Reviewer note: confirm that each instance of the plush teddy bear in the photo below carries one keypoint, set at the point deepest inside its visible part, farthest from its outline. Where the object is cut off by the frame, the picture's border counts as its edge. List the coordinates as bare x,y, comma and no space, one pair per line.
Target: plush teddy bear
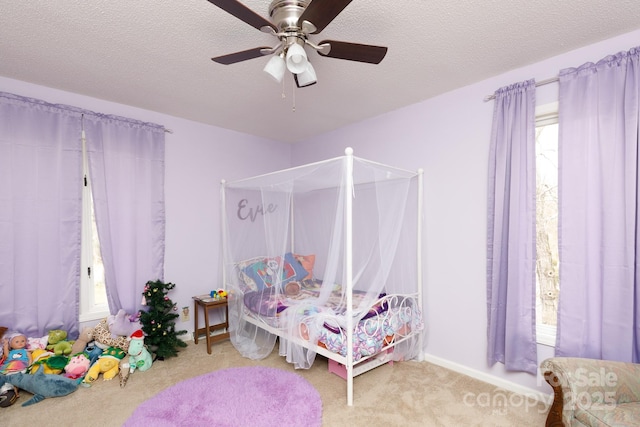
85,337
58,342
107,365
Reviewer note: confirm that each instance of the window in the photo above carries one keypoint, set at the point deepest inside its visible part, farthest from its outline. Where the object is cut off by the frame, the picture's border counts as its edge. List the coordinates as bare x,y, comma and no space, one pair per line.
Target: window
547,262
93,295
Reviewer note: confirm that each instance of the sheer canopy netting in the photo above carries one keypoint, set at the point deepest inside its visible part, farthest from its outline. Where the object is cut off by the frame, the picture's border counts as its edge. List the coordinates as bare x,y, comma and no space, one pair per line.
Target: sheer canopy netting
303,245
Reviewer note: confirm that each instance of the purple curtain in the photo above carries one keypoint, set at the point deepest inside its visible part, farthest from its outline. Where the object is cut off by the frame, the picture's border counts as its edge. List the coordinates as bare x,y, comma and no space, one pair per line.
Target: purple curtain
41,210
40,216
511,230
599,306
126,165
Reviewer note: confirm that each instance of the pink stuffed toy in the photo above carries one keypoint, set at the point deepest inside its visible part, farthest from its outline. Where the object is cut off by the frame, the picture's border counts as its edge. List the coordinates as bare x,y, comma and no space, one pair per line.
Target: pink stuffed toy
77,366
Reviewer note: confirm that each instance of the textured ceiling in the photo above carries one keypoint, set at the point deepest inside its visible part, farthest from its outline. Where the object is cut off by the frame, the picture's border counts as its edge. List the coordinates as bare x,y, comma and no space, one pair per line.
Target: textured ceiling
156,54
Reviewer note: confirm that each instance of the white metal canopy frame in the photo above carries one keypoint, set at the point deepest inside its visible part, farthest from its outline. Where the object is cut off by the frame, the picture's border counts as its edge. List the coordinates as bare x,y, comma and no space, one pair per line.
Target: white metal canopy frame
338,250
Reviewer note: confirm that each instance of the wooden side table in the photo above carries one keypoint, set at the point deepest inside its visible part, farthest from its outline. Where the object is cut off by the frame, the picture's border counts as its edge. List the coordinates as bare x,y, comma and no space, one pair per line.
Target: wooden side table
207,303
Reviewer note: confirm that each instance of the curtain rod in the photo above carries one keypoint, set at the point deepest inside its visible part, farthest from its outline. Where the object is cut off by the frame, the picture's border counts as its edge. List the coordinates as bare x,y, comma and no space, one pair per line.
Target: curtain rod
540,83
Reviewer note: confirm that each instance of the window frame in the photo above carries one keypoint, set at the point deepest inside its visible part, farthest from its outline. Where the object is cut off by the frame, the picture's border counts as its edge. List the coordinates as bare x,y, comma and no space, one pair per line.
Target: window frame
90,310
546,114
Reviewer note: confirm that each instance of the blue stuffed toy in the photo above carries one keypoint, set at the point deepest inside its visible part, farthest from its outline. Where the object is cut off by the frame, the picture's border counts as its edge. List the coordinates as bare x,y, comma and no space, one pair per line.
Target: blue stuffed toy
41,385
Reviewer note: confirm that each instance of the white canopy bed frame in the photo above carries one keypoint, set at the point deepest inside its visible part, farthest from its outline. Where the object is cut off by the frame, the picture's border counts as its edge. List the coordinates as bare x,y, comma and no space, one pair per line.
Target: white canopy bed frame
377,293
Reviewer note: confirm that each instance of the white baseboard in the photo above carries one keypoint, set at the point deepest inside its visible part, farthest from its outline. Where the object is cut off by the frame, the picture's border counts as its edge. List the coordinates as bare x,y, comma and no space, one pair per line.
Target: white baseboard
490,379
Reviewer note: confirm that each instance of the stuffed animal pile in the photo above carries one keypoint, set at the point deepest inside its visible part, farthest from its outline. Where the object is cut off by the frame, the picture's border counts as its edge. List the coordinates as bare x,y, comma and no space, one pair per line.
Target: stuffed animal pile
59,365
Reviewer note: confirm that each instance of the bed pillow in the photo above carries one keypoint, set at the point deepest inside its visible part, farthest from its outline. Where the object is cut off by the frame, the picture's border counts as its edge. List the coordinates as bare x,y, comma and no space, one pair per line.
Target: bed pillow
262,271
245,282
307,262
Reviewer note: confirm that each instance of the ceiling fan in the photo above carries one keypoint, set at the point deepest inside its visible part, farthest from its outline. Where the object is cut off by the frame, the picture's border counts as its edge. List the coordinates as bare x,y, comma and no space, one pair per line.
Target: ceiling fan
292,21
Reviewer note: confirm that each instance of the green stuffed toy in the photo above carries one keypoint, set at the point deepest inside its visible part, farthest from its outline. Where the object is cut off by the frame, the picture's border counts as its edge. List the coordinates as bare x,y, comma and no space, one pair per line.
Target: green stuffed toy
50,363
58,343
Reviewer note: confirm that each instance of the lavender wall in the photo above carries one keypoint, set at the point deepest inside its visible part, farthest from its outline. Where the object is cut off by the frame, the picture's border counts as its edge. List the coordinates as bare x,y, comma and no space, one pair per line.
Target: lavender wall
448,136
197,158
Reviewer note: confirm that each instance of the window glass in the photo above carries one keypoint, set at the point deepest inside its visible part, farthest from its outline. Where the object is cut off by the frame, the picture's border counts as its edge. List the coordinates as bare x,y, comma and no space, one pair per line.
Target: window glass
93,296
547,262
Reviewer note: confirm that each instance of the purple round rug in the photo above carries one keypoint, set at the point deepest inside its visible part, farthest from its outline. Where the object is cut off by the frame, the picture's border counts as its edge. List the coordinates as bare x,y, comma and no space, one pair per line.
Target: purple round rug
251,396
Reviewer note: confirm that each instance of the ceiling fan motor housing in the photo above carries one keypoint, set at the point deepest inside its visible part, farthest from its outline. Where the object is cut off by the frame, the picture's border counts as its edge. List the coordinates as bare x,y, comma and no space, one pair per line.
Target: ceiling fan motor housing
285,14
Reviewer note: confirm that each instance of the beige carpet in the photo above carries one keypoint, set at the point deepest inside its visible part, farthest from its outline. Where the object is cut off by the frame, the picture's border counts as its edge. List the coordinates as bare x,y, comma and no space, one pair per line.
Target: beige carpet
405,394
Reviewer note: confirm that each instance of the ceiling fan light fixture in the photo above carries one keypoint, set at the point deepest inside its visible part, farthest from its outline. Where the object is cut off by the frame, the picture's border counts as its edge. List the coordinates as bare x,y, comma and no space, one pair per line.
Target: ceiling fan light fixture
275,68
292,22
296,58
307,77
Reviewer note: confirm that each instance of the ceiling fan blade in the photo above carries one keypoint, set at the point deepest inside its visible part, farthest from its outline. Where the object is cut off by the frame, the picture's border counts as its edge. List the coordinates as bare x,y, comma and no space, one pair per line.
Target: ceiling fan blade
321,12
353,51
243,13
232,58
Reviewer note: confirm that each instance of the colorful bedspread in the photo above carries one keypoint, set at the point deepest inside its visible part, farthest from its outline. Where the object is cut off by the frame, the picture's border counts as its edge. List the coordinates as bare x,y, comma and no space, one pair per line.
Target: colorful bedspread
270,303
377,328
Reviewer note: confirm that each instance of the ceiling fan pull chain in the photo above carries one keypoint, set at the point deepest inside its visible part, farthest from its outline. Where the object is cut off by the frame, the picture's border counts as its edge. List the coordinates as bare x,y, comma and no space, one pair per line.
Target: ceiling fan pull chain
293,93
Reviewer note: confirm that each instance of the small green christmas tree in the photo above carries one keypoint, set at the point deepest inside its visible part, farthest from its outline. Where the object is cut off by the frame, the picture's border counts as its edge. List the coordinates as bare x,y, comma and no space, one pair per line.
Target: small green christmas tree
158,321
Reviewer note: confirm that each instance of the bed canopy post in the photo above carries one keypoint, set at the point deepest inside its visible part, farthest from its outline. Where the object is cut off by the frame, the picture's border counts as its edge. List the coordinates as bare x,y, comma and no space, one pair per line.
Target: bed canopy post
419,258
291,224
348,243
223,228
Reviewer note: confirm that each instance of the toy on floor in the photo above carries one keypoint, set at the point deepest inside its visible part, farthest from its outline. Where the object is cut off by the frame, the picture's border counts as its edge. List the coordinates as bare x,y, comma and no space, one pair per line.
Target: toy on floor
49,362
123,374
93,352
107,365
77,367
17,357
85,337
123,324
139,357
35,343
8,395
41,385
58,342
102,337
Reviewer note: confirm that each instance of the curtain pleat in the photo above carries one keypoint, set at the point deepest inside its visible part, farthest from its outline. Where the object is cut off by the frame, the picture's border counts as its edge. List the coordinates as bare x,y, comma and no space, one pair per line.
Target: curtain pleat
599,309
40,216
126,165
511,230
